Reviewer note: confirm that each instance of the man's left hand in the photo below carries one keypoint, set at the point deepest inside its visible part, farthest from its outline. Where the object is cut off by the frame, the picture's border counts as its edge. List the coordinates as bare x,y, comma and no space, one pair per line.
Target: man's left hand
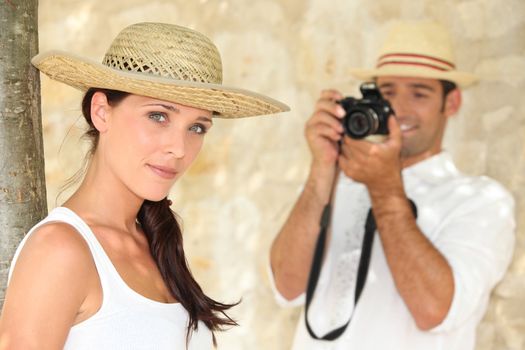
376,165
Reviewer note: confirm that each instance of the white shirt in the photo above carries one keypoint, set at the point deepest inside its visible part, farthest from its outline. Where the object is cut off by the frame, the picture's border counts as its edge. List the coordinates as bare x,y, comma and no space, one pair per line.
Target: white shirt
126,319
470,220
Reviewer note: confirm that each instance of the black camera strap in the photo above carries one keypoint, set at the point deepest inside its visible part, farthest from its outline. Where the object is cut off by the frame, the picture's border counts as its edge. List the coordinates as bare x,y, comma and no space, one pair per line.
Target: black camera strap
362,270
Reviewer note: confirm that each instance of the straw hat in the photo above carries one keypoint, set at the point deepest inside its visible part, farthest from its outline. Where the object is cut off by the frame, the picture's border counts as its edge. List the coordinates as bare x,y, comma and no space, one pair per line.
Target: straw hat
163,61
417,49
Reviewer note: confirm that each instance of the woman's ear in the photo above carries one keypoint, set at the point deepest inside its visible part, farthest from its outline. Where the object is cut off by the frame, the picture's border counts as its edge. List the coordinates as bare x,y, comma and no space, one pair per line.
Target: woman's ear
452,102
100,110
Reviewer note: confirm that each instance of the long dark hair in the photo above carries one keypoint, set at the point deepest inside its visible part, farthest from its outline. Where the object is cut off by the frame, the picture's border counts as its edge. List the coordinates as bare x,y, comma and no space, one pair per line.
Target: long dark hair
164,235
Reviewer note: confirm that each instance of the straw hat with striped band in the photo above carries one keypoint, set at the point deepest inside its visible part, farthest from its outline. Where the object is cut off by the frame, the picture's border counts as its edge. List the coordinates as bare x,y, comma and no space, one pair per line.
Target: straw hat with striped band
417,49
163,61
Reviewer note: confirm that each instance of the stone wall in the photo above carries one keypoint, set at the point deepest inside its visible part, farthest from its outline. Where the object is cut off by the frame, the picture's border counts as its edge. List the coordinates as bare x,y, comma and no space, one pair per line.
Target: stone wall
241,188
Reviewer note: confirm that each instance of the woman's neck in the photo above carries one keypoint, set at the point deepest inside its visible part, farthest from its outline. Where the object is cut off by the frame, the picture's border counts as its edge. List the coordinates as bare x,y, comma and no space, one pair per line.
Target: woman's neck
102,199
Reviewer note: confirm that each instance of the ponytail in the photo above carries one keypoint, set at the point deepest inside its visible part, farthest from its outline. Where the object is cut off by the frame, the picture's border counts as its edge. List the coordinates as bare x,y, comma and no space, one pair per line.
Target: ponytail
164,236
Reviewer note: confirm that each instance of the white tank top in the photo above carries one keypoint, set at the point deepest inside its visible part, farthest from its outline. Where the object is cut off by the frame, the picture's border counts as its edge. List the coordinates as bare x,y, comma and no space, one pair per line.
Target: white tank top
126,319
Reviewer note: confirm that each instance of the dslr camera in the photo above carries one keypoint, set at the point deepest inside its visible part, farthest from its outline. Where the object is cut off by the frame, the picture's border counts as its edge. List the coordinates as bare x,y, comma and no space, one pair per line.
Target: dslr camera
367,116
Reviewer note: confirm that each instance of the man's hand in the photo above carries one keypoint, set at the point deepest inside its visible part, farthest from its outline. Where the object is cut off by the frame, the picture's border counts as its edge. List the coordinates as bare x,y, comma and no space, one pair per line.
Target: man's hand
324,130
376,165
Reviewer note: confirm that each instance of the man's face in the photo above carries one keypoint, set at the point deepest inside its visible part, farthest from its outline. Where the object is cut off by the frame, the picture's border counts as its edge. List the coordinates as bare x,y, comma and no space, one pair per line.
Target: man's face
421,112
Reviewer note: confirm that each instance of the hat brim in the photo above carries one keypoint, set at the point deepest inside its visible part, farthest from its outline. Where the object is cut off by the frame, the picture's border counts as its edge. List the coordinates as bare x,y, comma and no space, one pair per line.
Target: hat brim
225,102
461,79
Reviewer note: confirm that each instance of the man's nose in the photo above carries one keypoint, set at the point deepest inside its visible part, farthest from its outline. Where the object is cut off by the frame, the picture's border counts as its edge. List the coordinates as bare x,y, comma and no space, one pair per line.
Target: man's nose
401,106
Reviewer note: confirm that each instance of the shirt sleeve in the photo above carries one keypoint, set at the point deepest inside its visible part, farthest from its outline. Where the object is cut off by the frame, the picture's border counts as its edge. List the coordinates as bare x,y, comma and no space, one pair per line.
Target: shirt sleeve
477,240
279,298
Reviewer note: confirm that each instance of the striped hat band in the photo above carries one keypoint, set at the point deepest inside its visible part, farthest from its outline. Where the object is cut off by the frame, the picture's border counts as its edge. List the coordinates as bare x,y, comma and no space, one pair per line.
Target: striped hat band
409,59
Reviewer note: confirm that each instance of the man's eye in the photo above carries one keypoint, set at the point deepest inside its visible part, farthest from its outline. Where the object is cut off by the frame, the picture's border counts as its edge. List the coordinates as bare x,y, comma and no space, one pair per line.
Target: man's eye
198,128
158,117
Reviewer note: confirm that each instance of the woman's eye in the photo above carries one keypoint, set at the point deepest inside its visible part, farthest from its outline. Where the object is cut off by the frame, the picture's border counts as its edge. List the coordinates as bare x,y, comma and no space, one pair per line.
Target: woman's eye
158,117
198,128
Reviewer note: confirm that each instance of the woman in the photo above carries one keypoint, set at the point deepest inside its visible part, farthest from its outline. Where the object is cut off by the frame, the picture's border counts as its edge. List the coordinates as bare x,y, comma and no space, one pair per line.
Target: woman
106,270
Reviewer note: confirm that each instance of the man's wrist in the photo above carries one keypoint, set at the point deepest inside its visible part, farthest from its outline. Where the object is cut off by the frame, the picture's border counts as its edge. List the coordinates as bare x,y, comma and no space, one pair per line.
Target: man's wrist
387,188
320,181
392,209
389,197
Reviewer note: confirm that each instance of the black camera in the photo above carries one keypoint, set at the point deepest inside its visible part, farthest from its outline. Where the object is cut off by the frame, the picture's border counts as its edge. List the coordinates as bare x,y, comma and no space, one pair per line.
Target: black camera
367,116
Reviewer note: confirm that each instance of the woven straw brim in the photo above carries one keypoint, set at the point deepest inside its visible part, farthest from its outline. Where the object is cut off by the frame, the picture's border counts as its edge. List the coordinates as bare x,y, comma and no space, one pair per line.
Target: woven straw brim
225,102
461,79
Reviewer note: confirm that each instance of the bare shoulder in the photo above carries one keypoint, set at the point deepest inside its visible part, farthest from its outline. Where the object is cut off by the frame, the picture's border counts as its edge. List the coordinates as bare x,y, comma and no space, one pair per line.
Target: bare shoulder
57,253
57,242
48,286
58,232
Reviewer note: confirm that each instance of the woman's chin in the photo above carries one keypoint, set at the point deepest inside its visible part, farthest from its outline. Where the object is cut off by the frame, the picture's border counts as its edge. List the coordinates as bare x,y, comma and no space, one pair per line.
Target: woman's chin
155,197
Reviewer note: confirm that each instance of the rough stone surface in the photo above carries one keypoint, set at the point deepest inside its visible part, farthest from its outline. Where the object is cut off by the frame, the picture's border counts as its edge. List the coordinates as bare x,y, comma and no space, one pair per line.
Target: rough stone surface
239,191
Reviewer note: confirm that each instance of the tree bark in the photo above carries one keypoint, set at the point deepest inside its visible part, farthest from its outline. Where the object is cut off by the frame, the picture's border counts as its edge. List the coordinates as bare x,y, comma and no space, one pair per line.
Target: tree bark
22,178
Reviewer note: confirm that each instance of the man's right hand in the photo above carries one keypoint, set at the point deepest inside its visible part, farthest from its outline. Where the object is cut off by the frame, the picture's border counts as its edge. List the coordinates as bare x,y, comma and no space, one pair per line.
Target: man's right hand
324,130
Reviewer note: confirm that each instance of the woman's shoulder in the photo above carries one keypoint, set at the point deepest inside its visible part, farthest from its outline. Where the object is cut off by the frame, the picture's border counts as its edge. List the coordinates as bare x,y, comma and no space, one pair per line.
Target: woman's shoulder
58,232
51,277
55,245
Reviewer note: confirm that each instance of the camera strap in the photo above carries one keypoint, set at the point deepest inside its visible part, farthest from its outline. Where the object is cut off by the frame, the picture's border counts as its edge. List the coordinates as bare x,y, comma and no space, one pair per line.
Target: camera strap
362,270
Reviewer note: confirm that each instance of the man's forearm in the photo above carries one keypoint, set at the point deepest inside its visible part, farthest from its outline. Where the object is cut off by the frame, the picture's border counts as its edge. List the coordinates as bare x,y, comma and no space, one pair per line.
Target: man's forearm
292,250
422,275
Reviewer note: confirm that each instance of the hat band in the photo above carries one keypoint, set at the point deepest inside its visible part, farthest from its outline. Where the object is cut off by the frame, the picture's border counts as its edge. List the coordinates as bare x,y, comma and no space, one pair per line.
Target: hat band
415,60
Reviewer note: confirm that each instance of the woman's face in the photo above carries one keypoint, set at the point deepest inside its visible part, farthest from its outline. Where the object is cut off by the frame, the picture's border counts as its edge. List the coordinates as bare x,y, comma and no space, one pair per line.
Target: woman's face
148,143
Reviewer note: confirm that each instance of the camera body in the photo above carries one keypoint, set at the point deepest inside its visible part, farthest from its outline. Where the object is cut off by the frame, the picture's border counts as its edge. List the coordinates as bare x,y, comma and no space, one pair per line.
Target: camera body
366,116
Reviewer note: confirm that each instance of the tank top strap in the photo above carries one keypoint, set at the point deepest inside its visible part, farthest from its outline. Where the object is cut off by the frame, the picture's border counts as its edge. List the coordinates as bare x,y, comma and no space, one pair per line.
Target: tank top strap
105,269
102,261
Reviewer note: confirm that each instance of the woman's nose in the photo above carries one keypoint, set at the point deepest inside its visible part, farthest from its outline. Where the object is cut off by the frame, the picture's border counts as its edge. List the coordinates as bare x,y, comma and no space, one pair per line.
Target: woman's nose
176,145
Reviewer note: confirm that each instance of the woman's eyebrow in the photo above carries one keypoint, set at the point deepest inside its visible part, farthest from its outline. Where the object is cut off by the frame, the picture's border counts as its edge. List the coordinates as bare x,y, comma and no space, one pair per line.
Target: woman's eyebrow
168,107
205,119
176,110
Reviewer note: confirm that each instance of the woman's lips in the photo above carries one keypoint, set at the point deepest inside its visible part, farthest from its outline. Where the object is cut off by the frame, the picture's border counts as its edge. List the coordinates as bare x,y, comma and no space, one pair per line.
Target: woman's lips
164,172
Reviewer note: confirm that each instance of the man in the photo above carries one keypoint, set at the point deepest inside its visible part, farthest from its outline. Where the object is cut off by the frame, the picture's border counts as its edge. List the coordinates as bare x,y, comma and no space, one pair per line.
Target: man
429,278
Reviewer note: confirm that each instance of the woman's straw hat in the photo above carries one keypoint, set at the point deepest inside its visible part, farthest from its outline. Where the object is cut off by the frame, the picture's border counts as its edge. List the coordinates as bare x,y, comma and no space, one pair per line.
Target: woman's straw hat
417,49
163,61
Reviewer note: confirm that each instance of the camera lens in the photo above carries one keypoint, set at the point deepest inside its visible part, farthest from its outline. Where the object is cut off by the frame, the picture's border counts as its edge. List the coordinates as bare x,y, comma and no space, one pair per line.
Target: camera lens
359,124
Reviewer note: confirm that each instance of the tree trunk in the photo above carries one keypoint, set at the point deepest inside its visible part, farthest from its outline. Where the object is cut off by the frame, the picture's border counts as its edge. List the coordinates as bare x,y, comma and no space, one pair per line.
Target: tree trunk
22,178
